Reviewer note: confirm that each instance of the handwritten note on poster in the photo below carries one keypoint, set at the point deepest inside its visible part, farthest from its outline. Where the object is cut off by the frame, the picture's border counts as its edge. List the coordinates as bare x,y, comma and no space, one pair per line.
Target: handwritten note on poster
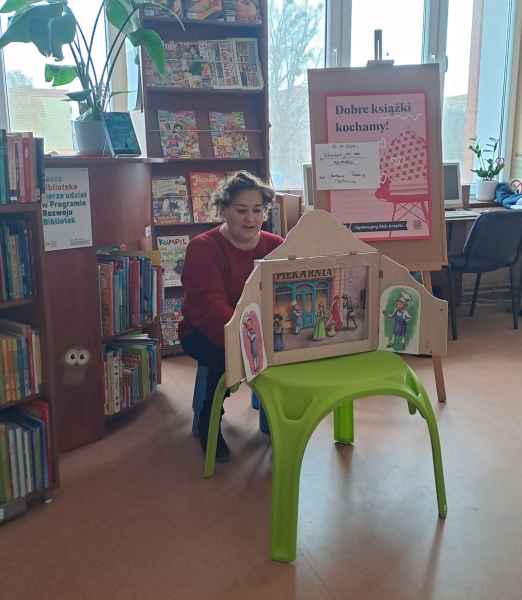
347,166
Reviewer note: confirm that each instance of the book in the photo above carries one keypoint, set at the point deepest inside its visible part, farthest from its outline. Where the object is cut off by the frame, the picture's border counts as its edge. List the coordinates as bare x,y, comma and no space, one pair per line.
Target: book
242,11
202,188
204,10
178,133
231,63
172,251
170,201
172,5
169,331
227,139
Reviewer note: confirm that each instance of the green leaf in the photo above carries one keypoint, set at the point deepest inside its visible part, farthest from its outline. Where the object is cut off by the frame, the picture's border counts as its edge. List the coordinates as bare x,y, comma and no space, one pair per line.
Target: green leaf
60,74
118,12
153,45
79,96
61,33
13,5
31,24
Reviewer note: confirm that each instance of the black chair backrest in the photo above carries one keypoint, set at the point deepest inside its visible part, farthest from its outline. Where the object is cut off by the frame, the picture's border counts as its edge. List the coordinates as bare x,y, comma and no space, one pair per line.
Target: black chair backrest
494,240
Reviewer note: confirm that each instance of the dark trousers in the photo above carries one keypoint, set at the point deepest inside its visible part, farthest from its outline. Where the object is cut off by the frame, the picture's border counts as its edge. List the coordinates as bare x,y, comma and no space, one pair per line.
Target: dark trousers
206,353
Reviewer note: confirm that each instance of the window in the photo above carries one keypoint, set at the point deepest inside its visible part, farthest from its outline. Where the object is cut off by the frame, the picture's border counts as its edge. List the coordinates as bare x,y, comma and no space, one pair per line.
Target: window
478,49
32,104
402,31
296,30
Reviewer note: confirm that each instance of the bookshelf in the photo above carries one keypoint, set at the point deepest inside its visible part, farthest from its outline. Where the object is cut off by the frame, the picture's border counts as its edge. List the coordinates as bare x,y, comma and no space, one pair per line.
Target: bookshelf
120,214
36,458
253,103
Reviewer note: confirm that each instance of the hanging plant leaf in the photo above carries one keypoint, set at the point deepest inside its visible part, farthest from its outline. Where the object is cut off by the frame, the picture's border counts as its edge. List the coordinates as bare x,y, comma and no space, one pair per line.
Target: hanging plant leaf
79,96
153,45
13,5
60,74
118,12
61,32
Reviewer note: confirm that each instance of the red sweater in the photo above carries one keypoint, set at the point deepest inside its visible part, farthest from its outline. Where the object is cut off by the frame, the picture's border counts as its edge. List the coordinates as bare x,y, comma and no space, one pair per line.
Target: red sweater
213,278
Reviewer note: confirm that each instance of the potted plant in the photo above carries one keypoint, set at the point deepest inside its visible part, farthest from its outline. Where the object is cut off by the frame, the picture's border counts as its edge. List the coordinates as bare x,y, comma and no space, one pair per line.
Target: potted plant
50,25
489,166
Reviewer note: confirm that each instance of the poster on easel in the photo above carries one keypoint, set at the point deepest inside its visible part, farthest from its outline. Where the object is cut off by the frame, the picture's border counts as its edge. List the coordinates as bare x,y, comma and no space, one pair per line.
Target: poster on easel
377,157
381,142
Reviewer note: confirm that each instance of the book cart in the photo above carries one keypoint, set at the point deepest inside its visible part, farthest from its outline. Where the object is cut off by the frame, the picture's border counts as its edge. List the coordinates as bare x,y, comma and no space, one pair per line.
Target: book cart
201,171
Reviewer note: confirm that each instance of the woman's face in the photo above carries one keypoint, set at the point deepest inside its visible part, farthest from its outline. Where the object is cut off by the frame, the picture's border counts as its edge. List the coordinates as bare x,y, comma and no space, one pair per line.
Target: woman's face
245,215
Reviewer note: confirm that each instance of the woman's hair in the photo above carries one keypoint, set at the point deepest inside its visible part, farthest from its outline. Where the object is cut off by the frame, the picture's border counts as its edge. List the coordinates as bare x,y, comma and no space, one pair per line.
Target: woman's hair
239,182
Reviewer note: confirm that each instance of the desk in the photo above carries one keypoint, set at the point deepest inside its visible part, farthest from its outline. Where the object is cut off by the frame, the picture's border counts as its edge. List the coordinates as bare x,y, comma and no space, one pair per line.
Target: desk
458,216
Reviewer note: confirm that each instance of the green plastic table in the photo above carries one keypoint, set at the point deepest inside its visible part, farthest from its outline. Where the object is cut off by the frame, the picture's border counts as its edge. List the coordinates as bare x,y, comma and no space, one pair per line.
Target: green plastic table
297,397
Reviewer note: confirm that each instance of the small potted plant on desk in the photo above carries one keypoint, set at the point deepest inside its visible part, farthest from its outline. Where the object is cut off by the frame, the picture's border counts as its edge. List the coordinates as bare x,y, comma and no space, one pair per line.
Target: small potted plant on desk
489,166
50,25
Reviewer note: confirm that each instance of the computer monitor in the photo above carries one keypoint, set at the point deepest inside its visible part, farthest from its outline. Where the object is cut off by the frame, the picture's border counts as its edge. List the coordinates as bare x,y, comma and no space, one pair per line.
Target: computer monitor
452,187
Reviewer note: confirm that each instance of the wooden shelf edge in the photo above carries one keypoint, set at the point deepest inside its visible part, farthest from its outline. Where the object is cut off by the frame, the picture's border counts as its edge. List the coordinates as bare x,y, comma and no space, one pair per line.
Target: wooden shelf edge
198,223
111,338
16,303
16,508
170,89
159,160
21,402
18,207
209,23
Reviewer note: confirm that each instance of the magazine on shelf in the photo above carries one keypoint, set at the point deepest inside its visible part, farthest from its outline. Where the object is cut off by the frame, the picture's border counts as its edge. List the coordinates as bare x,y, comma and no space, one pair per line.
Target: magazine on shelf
231,63
170,201
242,11
227,139
204,10
202,188
173,5
172,251
178,133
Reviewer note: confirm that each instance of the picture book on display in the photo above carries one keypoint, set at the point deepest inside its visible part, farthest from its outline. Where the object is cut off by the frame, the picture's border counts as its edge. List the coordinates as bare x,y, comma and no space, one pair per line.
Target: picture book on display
221,64
227,139
204,10
172,251
178,133
170,201
242,11
173,5
170,320
202,188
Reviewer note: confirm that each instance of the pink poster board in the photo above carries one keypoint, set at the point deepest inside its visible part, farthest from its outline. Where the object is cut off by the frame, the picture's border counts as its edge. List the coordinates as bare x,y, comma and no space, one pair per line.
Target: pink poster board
398,205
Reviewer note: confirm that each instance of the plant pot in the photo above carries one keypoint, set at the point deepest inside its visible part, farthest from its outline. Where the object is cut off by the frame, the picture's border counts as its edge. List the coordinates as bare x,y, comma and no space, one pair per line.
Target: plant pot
90,137
486,190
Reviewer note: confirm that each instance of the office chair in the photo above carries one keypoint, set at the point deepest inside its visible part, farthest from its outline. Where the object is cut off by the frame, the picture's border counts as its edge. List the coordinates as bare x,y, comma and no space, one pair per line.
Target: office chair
493,243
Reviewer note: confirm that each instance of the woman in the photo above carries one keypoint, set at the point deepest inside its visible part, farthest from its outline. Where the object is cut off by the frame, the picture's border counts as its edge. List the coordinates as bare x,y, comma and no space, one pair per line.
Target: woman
217,265
320,324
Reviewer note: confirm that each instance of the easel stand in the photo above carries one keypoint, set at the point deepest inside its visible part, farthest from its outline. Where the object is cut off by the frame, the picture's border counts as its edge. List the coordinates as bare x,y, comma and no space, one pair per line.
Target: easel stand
379,78
437,360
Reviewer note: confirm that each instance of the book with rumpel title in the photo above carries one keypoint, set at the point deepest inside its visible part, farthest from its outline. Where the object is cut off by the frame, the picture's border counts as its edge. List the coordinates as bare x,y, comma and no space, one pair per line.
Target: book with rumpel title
178,133
172,251
170,201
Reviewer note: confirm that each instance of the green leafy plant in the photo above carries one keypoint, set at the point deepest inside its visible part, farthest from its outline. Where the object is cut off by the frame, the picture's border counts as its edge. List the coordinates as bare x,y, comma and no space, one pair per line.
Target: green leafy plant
490,164
50,25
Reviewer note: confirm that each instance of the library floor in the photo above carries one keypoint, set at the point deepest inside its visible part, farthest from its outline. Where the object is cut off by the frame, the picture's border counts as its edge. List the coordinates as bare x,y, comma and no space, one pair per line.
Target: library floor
135,520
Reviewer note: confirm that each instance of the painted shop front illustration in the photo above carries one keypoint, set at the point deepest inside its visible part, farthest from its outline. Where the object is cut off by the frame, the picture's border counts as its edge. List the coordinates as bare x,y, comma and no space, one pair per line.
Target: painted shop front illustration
300,298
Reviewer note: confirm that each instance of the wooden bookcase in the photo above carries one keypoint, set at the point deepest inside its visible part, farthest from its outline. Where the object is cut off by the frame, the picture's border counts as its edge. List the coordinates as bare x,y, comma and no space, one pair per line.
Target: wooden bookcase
253,103
30,311
120,213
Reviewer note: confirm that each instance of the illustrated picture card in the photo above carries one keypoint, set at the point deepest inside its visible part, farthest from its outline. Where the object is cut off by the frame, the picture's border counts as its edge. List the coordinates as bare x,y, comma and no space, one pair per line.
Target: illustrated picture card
320,307
252,341
400,320
384,172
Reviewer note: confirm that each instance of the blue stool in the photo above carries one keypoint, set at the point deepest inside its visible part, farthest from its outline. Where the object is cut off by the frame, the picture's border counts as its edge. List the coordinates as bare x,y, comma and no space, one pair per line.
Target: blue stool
200,389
